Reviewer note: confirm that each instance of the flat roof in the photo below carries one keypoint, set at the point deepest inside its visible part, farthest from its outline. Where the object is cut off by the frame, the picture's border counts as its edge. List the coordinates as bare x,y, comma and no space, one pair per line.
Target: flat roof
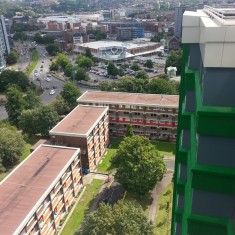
130,98
79,122
128,44
23,191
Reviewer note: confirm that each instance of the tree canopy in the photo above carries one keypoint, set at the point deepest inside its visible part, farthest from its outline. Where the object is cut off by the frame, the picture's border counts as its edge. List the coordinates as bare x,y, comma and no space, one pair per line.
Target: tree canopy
139,165
149,64
142,75
70,94
175,59
11,77
135,67
139,85
122,218
15,104
80,74
84,62
11,147
12,57
38,120
52,49
112,69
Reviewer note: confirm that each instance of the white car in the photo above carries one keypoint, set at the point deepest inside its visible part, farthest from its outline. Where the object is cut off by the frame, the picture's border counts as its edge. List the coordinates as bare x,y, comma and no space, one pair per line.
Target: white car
36,74
48,79
52,92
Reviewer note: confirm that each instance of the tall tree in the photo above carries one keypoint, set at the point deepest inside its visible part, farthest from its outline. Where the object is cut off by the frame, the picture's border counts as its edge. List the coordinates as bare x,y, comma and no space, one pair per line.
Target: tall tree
52,49
161,86
12,57
112,69
32,100
84,62
149,64
81,75
129,131
11,77
122,218
62,60
142,74
135,67
139,165
68,71
60,106
88,53
39,120
70,94
174,60
11,146
15,104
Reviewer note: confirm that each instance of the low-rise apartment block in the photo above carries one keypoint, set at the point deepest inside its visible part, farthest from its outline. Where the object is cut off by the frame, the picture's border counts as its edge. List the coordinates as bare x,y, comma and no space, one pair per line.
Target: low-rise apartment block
150,115
85,127
36,195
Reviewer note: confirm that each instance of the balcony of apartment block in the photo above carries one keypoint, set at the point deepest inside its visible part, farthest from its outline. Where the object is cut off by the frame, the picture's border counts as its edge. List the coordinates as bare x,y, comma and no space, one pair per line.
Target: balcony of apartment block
57,199
139,121
167,123
90,144
95,130
49,226
31,224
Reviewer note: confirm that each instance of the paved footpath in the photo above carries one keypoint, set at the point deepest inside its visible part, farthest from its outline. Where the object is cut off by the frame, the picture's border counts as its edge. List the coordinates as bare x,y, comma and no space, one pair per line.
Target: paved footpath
157,191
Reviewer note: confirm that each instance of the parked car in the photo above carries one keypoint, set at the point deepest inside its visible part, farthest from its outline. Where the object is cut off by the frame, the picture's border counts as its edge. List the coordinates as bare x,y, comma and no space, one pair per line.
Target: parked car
54,86
48,79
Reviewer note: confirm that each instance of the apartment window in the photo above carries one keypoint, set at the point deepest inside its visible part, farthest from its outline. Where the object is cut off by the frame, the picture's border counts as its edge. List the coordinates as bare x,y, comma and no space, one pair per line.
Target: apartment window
153,114
126,113
153,128
164,129
165,115
123,106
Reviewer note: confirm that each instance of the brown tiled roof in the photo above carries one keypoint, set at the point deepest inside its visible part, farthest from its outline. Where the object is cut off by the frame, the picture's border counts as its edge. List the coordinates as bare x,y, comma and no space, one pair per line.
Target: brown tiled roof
129,98
28,183
79,121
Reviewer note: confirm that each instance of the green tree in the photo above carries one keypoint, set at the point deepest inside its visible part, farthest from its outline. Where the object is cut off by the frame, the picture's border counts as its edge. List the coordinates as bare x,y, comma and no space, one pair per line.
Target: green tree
11,146
161,86
84,62
149,64
112,69
70,94
60,106
52,49
139,165
12,57
11,77
142,75
80,74
39,120
68,71
122,218
174,60
135,67
129,131
121,72
106,86
15,104
62,60
31,99
54,66
88,53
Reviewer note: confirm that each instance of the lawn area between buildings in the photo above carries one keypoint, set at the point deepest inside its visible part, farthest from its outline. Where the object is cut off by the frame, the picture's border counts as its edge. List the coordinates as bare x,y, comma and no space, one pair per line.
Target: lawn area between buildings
78,215
163,218
105,165
165,148
25,153
33,64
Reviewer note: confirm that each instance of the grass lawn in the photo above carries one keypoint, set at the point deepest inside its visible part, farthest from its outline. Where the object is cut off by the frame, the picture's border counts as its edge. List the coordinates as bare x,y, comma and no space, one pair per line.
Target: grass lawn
166,148
143,201
33,64
25,153
82,208
105,165
163,218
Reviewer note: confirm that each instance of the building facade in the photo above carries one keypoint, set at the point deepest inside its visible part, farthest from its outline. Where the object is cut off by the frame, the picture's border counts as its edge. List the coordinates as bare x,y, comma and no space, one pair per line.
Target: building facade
4,43
150,115
38,193
204,192
179,11
85,127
